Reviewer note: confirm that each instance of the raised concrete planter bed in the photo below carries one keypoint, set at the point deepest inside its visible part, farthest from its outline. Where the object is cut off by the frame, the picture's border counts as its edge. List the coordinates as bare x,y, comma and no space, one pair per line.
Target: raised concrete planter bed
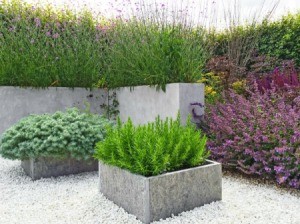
53,167
17,103
158,197
144,103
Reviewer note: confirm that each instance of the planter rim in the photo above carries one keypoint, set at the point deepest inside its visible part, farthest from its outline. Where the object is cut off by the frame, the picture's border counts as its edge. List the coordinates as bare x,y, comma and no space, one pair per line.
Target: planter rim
155,85
210,163
49,87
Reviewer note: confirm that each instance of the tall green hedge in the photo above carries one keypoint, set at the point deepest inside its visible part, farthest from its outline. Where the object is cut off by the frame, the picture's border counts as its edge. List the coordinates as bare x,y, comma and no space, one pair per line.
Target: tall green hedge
281,38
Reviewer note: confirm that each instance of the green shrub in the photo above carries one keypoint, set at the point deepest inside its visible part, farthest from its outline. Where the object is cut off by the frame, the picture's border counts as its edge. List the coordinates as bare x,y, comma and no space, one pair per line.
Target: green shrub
281,39
61,134
154,148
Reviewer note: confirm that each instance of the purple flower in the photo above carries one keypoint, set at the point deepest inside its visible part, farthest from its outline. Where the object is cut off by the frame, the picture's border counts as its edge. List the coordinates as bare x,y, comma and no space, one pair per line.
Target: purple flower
37,22
281,179
48,34
278,169
55,36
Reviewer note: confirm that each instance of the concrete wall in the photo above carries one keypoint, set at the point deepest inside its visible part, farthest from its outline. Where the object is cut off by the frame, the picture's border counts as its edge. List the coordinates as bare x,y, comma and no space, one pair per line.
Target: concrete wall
143,103
16,103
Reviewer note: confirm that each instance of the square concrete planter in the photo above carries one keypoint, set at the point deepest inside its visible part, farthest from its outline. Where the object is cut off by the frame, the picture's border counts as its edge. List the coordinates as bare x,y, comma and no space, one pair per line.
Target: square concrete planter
144,103
158,197
44,167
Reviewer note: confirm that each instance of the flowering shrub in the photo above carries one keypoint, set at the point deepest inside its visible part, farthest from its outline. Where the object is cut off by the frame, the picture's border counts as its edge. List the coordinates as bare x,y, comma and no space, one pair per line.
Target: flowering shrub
279,78
44,47
259,134
61,134
213,86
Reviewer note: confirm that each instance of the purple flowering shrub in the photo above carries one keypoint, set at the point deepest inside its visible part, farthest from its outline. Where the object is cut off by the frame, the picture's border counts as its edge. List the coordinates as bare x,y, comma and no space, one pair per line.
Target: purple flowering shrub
280,78
259,134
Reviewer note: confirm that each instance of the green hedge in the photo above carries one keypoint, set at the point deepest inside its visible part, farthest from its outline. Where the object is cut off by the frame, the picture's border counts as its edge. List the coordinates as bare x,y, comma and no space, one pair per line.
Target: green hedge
281,39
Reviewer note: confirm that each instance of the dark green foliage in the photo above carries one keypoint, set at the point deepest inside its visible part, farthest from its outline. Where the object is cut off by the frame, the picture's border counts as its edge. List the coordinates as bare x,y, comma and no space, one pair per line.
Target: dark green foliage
62,134
281,39
154,148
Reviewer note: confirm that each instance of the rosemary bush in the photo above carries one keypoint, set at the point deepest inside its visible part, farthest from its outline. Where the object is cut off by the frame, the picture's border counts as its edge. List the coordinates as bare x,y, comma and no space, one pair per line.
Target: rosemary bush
154,148
61,134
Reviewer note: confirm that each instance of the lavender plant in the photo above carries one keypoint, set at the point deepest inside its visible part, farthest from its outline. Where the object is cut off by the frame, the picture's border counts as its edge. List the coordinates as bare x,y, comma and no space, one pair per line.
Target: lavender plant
44,47
156,47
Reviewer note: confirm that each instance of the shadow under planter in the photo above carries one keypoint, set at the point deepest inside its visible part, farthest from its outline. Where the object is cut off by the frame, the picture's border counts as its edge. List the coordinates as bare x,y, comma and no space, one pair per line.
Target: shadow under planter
158,197
44,167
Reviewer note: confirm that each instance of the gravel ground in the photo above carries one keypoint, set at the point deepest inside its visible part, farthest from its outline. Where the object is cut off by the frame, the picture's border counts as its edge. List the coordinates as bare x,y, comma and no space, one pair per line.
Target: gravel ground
75,199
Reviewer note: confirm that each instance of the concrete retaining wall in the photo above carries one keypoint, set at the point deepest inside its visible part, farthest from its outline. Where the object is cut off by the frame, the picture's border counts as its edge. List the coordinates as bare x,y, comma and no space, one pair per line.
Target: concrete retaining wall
143,103
16,103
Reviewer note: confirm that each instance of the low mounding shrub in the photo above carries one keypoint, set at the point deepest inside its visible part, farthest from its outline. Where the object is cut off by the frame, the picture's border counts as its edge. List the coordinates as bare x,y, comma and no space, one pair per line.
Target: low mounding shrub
154,148
259,134
61,134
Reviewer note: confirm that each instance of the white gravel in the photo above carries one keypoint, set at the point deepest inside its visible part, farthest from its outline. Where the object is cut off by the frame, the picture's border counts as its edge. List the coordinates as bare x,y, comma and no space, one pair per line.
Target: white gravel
75,199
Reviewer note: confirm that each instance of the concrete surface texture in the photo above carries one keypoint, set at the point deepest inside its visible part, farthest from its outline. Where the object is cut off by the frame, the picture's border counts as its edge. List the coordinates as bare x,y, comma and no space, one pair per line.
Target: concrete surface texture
154,198
144,103
53,167
17,103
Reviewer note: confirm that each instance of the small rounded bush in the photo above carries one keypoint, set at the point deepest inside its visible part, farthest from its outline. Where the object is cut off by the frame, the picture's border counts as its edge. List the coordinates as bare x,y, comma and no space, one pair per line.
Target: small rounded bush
62,134
153,149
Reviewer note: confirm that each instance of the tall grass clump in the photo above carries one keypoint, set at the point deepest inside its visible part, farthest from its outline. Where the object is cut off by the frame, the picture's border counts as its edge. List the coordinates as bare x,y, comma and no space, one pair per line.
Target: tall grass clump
156,47
43,47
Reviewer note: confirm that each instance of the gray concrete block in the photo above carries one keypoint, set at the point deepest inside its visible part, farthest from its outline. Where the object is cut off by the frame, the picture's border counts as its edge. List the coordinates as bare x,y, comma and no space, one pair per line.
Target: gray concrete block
154,198
17,103
45,167
144,103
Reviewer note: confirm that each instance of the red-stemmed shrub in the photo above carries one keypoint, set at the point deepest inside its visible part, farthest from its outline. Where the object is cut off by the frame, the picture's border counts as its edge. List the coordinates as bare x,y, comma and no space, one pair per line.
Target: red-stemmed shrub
259,134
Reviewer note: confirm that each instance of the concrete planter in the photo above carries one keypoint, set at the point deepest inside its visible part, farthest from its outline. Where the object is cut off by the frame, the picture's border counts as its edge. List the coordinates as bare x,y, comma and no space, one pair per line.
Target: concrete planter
144,103
17,103
158,197
52,167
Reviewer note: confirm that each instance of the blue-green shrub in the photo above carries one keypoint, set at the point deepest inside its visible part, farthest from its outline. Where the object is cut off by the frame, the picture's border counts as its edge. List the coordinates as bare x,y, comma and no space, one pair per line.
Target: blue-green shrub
71,133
